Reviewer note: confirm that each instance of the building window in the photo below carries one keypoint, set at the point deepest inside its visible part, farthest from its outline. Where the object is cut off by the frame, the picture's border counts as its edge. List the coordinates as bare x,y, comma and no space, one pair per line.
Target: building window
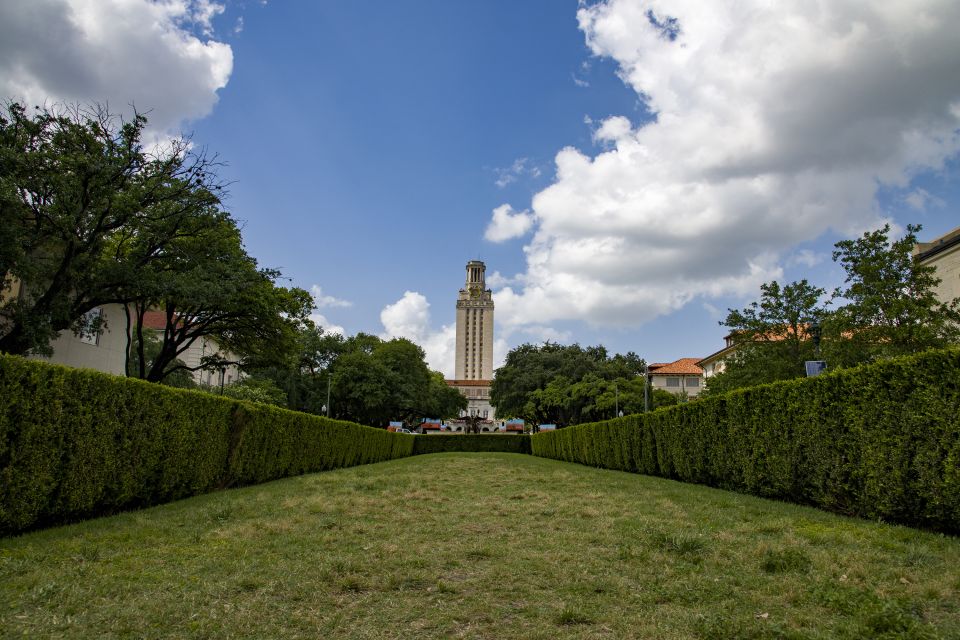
693,382
484,413
91,327
673,382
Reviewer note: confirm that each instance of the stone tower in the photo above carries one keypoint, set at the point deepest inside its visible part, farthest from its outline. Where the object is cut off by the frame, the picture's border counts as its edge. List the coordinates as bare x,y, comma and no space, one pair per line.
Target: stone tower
474,359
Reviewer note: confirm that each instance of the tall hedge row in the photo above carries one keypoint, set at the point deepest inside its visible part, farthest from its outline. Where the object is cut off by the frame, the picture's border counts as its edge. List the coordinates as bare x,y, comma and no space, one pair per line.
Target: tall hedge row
77,443
880,441
442,443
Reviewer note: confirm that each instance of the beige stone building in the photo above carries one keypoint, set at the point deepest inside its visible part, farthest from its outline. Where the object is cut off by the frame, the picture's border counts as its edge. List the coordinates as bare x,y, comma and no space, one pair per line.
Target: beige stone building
104,349
683,376
477,393
474,359
473,363
943,254
716,362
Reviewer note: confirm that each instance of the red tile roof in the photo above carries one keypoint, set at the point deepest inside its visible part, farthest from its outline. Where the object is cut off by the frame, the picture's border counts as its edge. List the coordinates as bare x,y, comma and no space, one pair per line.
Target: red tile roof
683,366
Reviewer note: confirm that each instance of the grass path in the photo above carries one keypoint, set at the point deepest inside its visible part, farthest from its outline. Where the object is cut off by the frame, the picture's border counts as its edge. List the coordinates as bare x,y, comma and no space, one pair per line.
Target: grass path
479,546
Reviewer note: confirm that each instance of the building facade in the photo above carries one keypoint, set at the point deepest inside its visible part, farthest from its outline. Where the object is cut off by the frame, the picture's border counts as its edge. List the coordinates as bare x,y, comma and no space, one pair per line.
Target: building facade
477,393
105,348
681,377
943,254
473,363
474,359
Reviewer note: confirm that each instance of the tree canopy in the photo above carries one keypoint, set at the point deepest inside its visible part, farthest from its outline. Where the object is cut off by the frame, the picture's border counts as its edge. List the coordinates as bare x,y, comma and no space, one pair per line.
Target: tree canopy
370,380
77,186
91,215
564,385
887,307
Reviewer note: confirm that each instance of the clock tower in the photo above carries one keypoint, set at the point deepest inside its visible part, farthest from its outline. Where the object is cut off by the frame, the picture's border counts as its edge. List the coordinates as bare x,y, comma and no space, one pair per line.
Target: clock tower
474,360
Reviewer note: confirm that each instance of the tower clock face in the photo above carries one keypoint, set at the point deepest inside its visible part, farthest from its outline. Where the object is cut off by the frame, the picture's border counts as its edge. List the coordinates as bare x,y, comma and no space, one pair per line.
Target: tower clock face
474,292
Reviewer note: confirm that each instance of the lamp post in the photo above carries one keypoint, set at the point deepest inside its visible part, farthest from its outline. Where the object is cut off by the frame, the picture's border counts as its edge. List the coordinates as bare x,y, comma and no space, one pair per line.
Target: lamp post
815,367
616,392
646,387
327,406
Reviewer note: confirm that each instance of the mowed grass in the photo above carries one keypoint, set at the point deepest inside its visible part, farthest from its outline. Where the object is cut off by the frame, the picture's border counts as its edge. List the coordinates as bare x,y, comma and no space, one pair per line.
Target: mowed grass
479,546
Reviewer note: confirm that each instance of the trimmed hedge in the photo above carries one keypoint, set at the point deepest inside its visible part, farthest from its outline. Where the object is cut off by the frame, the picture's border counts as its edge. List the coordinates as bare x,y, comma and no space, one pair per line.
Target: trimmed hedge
441,443
880,441
76,443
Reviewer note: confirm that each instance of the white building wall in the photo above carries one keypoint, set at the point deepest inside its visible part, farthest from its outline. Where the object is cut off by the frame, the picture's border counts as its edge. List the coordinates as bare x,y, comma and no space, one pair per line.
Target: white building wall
105,352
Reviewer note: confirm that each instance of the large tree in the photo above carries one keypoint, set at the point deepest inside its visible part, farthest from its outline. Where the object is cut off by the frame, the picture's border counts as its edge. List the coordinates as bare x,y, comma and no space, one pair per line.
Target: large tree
206,285
562,384
76,185
890,305
376,381
887,307
772,336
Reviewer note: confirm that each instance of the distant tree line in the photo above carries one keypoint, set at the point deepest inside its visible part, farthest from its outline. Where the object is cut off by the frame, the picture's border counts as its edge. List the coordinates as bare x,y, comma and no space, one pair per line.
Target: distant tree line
887,307
362,378
569,384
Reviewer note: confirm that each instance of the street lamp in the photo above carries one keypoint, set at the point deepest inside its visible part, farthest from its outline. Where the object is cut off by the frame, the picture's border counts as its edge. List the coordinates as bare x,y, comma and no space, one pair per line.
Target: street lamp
616,391
326,407
815,367
646,387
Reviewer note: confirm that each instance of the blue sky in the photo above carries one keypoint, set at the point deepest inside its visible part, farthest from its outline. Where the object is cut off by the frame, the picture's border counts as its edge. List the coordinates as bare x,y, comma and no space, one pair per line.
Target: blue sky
625,186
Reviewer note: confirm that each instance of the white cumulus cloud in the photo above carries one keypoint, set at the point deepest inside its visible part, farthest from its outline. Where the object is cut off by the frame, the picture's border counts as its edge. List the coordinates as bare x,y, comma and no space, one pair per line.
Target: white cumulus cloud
507,224
321,300
321,321
775,122
409,317
158,55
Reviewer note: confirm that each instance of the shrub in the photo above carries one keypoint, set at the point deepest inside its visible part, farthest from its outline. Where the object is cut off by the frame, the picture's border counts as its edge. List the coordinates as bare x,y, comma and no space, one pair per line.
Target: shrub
77,443
880,441
441,443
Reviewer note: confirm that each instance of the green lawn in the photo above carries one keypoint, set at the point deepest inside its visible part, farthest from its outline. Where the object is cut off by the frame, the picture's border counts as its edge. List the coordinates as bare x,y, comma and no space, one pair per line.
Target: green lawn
479,546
